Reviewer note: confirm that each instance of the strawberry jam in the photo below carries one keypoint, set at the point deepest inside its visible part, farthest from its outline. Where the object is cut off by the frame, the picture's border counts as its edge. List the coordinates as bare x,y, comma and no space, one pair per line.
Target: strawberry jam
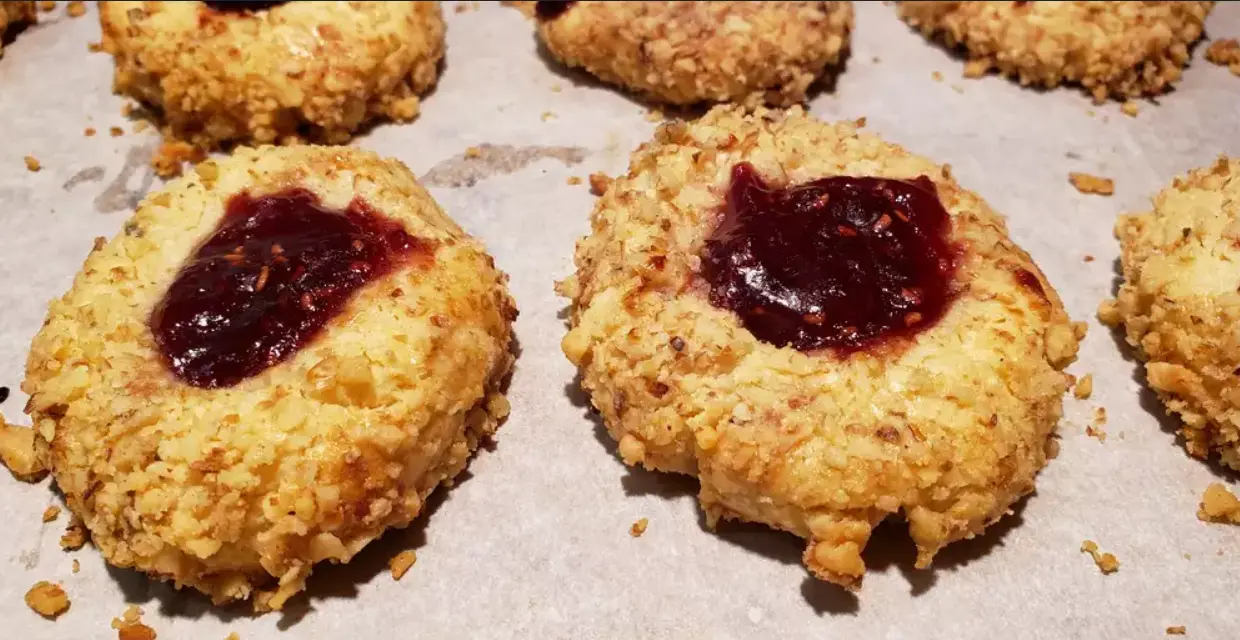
276,270
842,262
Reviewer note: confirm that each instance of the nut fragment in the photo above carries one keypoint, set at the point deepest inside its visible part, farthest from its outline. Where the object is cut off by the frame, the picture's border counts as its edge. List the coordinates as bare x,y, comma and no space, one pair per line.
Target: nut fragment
1107,562
1219,505
1084,387
1086,183
47,599
400,564
639,527
17,452
129,626
51,513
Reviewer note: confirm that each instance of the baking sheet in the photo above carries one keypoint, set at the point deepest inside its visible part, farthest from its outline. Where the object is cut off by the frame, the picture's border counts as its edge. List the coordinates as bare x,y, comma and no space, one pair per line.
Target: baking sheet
534,542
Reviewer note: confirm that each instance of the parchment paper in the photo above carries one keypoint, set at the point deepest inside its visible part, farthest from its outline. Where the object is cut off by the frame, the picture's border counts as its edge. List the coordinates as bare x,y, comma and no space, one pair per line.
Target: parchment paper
534,542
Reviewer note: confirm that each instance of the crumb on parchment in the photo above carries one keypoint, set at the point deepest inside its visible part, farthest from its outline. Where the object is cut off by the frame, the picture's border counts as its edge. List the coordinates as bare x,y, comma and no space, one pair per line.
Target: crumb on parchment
47,599
639,527
574,180
75,535
1095,429
17,452
77,566
473,152
1084,387
1107,562
1219,505
88,131
599,182
1130,108
1086,183
1225,53
548,115
129,626
1088,258
76,9
1177,630
937,76
32,163
116,132
51,513
233,636
46,5
400,564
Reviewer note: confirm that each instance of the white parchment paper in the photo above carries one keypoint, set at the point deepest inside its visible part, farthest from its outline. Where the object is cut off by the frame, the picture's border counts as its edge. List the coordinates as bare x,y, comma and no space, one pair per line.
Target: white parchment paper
534,542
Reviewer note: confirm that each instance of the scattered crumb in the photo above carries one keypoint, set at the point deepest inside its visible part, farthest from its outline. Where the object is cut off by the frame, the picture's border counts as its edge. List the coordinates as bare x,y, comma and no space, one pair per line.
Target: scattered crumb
1225,53
88,131
45,6
1095,432
140,126
574,180
547,115
976,68
47,599
860,122
473,152
654,115
17,452
1072,155
461,8
94,47
1188,556
599,183
172,154
76,9
555,88
1086,183
1088,258
129,626
116,131
936,76
957,88
876,59
1219,505
639,527
75,536
1107,562
1100,416
1084,387
77,566
233,636
1090,113
51,513
32,163
1130,109
400,564
1178,630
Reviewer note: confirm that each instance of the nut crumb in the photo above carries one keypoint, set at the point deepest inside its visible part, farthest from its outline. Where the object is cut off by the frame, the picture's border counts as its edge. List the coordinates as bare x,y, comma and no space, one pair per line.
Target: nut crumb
639,527
936,76
548,115
51,513
233,636
473,152
1225,53
1086,183
599,183
1084,387
1219,505
32,163
17,452
77,566
574,180
555,88
75,536
1177,630
399,565
47,599
76,9
976,68
94,47
46,5
88,131
116,132
1130,109
129,626
1088,258
1107,562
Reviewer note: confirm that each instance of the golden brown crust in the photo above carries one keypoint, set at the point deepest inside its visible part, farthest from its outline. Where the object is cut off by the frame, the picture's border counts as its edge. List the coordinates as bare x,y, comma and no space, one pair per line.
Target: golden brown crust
13,13
231,490
691,52
1179,304
951,429
301,71
1113,49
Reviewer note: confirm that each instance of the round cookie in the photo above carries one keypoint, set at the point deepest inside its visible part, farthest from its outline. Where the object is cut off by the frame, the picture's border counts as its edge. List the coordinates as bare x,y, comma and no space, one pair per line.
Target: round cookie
1179,305
689,52
13,14
279,358
1119,50
826,421
271,72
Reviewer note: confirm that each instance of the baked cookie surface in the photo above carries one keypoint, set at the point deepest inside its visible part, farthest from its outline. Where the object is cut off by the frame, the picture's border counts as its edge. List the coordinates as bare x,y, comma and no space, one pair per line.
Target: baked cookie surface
1179,303
202,424
13,14
690,52
943,413
288,72
1114,50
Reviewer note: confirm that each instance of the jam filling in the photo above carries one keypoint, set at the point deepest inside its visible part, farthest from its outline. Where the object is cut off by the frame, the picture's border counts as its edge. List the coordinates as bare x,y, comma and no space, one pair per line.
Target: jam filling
276,270
842,262
551,10
227,5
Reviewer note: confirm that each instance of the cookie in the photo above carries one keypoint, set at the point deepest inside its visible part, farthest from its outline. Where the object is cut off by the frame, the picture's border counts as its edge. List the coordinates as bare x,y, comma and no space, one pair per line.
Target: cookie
1178,304
14,14
271,72
1117,50
278,359
684,53
823,328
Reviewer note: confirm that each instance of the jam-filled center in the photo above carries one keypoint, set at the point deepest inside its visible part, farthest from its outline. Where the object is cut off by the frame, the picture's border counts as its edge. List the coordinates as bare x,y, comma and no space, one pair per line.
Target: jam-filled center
550,10
841,262
274,272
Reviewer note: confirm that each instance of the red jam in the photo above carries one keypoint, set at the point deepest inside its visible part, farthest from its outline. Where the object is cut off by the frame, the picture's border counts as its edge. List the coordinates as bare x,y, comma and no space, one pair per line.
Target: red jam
842,262
276,270
551,10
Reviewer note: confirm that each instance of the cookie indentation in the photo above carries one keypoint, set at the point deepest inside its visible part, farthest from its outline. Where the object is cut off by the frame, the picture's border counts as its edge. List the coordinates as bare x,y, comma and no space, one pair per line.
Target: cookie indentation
841,262
275,271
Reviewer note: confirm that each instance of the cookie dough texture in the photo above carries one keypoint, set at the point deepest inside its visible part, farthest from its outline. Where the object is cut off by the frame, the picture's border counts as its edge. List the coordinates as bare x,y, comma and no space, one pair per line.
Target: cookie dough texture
1113,49
13,14
689,52
1179,304
300,71
239,491
949,428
